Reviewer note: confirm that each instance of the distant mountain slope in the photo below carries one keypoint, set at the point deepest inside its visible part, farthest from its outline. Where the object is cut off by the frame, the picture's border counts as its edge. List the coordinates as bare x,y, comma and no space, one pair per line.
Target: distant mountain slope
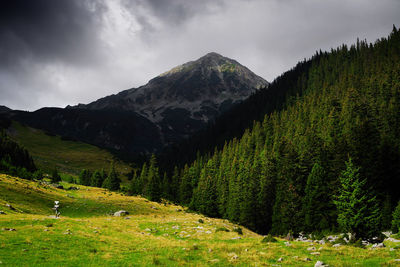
68,156
171,107
181,101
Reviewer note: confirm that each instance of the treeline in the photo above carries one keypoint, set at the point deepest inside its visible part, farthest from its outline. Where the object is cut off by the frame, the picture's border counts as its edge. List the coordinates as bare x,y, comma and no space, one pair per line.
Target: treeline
100,178
15,160
292,171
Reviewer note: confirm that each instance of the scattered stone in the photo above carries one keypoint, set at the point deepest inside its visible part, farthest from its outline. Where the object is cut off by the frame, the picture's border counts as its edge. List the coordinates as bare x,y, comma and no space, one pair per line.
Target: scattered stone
387,234
233,256
378,245
127,218
337,245
175,227
392,249
8,229
322,242
96,232
311,248
121,213
10,207
24,250
214,260
246,249
46,230
287,244
398,260
289,237
320,264
154,208
72,188
237,237
210,250
58,186
307,259
365,242
178,210
315,253
2,212
280,259
208,232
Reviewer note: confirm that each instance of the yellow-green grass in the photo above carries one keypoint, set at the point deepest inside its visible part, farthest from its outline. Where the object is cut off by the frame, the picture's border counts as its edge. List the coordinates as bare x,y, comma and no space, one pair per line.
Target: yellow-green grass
69,157
152,234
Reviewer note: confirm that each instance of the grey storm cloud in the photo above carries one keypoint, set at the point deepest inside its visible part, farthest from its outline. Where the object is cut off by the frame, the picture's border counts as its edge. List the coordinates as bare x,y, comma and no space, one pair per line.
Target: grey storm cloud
54,53
44,30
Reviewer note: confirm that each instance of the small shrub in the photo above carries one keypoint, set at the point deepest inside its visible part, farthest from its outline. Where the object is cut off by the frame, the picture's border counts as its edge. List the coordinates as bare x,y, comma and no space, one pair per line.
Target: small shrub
201,221
156,261
222,229
238,230
269,239
49,225
358,243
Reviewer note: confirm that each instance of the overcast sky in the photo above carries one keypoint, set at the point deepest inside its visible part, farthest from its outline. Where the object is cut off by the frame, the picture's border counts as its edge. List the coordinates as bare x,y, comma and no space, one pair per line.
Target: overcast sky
55,53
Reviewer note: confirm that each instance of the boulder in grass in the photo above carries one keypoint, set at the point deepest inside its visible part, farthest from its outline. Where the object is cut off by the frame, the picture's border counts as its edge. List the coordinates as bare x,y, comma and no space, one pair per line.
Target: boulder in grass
121,213
320,264
2,212
10,207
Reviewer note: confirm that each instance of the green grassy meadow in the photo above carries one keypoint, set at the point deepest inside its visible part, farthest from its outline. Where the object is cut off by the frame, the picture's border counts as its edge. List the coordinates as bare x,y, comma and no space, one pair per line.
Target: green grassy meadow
68,156
152,234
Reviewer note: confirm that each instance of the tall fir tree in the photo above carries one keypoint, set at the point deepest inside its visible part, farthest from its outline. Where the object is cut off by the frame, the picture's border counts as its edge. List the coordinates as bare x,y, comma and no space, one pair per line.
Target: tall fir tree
112,182
317,204
358,209
153,190
396,219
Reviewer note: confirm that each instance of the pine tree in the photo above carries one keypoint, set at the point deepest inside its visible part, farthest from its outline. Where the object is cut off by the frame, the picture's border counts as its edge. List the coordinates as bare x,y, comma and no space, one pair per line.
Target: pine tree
358,210
55,176
112,182
316,202
97,179
153,191
85,177
396,219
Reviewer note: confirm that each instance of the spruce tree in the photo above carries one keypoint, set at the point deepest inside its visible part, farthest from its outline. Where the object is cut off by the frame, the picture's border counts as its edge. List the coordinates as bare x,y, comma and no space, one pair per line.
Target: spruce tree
112,182
85,178
153,191
55,176
316,202
97,179
396,219
358,209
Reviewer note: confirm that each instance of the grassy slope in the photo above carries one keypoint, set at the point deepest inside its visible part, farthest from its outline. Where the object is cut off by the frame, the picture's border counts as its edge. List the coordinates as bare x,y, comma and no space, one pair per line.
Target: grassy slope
69,157
154,234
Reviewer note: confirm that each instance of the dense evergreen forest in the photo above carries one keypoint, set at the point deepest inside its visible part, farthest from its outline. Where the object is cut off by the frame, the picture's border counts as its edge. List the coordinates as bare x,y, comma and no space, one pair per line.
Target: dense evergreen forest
323,144
14,159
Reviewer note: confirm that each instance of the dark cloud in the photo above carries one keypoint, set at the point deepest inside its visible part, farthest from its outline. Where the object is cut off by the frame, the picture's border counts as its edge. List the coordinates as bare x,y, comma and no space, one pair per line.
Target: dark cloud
46,30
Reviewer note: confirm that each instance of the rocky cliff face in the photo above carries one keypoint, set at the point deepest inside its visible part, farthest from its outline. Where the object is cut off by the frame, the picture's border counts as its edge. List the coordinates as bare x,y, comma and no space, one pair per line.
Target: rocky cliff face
170,107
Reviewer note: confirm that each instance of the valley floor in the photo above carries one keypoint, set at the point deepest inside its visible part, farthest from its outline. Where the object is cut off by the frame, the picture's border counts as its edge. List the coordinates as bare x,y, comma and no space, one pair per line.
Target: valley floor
152,234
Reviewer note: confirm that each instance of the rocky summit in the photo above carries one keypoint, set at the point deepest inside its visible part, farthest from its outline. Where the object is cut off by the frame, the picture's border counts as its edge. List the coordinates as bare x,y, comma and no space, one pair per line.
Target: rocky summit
170,107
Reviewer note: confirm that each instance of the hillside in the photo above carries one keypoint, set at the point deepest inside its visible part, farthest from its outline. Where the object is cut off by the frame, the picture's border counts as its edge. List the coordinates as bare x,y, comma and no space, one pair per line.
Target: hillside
49,151
337,112
152,234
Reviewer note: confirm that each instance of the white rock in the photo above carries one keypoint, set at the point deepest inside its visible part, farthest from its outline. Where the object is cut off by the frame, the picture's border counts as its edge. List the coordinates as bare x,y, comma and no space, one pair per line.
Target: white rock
121,213
320,264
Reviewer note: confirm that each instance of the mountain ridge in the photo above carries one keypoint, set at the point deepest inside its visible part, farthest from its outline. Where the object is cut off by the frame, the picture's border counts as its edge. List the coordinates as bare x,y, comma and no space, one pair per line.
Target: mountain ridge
169,108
